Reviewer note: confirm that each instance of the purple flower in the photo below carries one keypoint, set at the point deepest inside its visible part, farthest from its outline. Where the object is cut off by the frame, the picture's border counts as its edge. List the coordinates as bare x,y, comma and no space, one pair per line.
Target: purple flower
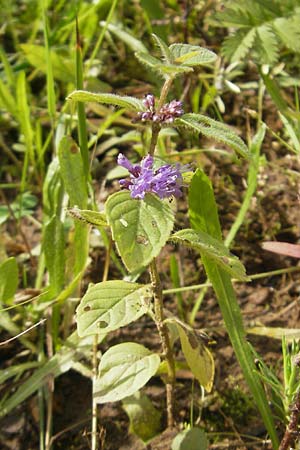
167,113
165,181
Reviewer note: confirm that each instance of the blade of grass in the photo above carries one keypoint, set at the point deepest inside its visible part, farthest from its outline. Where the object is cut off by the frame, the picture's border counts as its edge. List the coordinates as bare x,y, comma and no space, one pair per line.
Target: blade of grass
251,184
50,79
82,128
204,216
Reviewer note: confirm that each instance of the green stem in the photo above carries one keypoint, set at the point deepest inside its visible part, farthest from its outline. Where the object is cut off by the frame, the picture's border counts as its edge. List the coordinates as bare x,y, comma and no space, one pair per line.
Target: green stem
94,403
165,340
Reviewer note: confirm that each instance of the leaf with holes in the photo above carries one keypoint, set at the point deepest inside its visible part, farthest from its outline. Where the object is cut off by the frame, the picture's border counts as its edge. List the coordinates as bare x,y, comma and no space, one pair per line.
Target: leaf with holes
110,305
197,356
140,228
123,370
191,55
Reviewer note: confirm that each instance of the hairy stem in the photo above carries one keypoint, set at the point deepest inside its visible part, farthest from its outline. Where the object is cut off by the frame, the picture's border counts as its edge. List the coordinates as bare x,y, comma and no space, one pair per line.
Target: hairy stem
154,137
291,430
165,340
164,92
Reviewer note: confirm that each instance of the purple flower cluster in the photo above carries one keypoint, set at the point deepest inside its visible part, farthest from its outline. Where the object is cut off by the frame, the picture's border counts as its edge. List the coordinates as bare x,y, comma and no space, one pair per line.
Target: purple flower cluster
164,181
167,113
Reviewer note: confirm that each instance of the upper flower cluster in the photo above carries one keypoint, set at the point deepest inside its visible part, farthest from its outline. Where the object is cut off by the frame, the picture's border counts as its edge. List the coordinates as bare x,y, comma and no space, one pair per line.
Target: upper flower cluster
164,181
167,113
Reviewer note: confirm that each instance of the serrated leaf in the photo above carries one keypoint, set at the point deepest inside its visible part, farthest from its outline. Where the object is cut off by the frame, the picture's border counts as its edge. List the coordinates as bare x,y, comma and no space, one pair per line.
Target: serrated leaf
212,248
215,130
159,67
236,46
72,171
197,355
108,99
95,218
140,228
110,305
144,418
165,51
191,55
288,30
267,46
192,439
8,279
123,370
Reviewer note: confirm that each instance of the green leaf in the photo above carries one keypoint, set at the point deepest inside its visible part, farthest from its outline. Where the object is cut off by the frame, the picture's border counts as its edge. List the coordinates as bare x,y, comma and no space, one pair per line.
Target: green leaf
202,220
268,45
215,130
54,249
63,66
191,439
72,172
212,248
144,418
110,305
165,51
123,370
251,184
197,355
9,279
201,204
140,228
235,47
108,99
95,218
159,67
191,55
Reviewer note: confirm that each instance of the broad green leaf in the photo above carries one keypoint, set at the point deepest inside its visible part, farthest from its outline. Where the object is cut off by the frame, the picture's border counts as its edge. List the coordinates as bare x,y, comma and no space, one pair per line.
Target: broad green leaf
144,418
8,279
108,99
54,250
73,349
214,130
191,55
214,249
72,172
140,228
202,204
191,439
95,218
202,220
161,68
123,370
197,355
110,305
63,66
